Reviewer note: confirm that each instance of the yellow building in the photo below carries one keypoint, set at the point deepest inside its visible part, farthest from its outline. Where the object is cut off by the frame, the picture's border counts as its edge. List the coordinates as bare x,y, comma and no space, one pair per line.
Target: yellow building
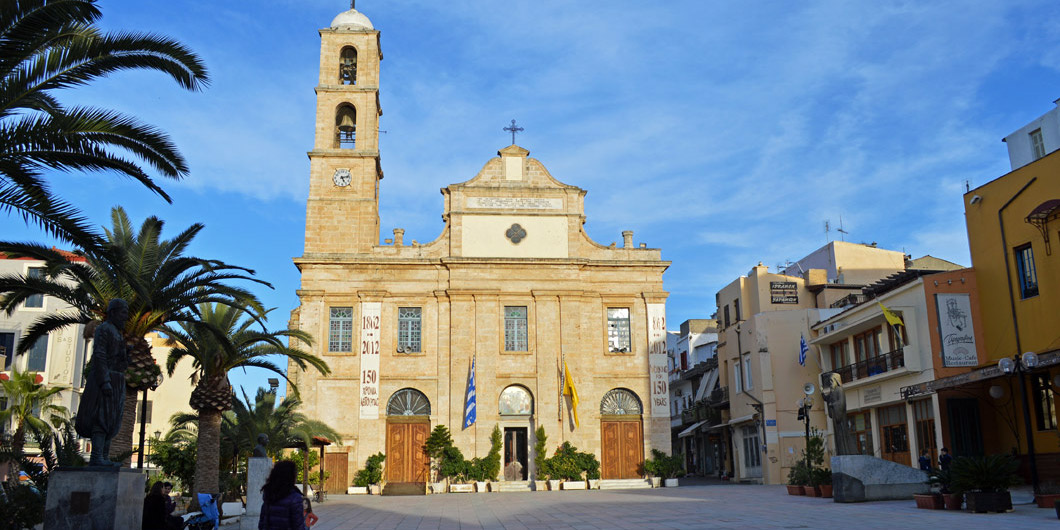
513,286
1013,228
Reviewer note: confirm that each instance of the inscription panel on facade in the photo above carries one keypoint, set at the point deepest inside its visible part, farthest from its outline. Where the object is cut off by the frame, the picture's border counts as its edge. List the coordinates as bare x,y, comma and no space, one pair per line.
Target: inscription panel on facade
515,203
370,316
660,392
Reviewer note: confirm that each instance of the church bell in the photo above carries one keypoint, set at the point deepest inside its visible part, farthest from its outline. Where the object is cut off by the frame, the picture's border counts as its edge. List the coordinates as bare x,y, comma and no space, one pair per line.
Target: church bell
346,123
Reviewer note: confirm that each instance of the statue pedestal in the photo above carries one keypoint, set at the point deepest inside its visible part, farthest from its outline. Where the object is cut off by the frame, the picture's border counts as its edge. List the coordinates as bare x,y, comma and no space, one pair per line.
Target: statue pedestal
860,478
94,498
258,469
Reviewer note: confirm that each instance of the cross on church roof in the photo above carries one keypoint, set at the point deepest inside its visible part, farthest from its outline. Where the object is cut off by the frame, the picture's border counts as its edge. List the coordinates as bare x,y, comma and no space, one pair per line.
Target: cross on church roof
353,4
514,129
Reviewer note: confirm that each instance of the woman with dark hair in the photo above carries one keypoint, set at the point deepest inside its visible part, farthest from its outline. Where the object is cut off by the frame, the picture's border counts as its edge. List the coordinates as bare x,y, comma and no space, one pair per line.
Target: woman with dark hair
281,507
155,509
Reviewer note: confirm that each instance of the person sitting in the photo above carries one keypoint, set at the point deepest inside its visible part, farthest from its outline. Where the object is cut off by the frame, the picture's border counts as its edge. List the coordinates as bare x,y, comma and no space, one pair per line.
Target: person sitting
282,503
155,515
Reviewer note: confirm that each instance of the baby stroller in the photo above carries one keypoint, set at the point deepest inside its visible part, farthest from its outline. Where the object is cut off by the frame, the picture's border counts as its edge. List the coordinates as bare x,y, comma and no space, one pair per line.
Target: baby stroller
207,519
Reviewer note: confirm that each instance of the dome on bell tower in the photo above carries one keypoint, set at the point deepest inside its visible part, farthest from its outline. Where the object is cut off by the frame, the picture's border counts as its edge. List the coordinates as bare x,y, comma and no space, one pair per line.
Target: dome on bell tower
352,20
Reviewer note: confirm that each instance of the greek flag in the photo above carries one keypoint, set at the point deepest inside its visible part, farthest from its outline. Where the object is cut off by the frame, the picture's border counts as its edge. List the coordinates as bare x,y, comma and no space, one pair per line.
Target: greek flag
803,348
469,400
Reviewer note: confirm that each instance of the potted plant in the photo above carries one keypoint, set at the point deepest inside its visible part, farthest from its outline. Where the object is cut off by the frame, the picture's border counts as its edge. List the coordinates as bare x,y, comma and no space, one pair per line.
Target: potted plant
943,480
454,468
591,465
491,464
566,464
822,478
540,454
434,448
985,481
1048,494
666,467
798,476
368,478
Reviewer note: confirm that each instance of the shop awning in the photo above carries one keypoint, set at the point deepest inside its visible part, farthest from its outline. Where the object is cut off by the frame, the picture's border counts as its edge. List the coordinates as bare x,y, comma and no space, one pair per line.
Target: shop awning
689,431
741,419
1046,359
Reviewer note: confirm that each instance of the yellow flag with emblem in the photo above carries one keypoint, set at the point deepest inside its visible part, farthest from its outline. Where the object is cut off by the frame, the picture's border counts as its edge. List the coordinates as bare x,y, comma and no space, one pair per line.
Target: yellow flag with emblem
570,391
892,317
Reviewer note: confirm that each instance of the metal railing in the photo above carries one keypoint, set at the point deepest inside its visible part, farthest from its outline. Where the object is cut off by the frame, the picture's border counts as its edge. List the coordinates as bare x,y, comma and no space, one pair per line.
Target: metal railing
719,396
874,366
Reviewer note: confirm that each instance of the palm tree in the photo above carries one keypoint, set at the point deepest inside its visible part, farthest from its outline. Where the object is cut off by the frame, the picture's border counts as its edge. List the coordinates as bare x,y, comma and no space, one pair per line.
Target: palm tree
282,422
160,283
48,45
31,409
224,339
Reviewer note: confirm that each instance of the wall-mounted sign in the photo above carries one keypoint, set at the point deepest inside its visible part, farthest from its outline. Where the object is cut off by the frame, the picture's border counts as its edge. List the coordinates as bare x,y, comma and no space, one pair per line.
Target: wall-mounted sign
657,360
370,314
515,203
783,292
771,423
955,329
871,395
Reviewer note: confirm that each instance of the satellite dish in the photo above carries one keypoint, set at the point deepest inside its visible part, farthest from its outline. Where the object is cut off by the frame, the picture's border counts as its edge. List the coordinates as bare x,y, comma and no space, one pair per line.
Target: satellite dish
808,389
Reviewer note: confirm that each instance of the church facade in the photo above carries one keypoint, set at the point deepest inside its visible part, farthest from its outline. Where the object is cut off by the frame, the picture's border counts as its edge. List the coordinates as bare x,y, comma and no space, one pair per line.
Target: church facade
511,290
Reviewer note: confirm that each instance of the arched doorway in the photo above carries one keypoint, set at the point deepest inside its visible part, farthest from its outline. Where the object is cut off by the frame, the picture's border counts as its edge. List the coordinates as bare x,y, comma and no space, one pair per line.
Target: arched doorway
622,435
407,424
516,405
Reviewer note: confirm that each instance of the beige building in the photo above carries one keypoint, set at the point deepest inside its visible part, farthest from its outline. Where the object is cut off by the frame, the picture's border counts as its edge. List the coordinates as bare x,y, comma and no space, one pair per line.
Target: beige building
513,284
170,398
57,359
763,317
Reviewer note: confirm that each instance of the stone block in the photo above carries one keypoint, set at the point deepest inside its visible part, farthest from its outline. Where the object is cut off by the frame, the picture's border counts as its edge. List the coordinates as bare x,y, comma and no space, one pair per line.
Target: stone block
860,478
94,498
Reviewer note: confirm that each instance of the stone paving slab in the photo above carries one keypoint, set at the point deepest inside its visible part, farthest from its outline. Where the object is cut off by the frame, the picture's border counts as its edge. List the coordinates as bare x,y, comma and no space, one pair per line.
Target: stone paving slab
686,507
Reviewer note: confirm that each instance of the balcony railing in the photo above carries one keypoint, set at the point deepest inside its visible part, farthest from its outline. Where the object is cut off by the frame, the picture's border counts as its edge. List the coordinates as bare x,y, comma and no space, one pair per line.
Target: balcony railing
874,366
719,396
849,300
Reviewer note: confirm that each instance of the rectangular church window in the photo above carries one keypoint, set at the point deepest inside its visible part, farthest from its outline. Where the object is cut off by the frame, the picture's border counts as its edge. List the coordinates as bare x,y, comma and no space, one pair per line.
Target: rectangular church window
618,339
409,324
515,328
340,330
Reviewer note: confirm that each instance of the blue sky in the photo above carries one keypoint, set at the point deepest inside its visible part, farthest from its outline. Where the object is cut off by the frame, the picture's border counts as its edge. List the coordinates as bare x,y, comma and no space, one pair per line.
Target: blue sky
723,133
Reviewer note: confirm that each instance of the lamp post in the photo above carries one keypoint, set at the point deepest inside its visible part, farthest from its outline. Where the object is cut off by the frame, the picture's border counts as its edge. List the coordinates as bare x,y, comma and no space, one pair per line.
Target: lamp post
1017,366
805,404
143,420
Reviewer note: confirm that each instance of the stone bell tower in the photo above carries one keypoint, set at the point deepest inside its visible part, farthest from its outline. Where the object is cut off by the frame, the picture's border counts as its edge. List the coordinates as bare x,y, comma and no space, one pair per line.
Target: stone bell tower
342,213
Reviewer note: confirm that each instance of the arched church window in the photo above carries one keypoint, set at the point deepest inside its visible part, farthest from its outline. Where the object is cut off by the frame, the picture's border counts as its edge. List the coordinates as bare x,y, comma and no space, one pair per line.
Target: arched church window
408,402
620,402
516,401
348,66
346,126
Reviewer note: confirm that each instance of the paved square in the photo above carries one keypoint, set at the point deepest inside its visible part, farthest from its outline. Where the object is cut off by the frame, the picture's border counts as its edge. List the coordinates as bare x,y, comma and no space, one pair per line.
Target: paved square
705,506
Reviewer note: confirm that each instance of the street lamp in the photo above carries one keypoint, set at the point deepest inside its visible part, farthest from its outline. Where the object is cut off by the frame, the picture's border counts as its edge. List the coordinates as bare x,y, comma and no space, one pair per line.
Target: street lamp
805,404
1017,366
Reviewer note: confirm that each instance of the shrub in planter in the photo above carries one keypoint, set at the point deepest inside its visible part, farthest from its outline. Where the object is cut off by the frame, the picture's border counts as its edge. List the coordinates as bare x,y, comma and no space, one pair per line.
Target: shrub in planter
798,477
943,480
435,446
540,455
372,472
662,466
985,481
1048,494
822,479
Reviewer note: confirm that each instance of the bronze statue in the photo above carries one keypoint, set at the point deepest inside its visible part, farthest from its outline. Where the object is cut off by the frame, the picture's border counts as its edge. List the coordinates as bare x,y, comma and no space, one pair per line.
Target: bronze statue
836,400
99,414
261,449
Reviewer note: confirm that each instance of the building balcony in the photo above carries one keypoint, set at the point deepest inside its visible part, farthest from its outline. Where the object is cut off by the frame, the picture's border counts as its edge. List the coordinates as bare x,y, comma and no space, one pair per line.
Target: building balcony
718,397
870,367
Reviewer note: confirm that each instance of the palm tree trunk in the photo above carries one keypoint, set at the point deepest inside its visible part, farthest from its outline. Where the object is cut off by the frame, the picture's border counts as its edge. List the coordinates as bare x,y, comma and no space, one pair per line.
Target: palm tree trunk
209,452
123,441
18,444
